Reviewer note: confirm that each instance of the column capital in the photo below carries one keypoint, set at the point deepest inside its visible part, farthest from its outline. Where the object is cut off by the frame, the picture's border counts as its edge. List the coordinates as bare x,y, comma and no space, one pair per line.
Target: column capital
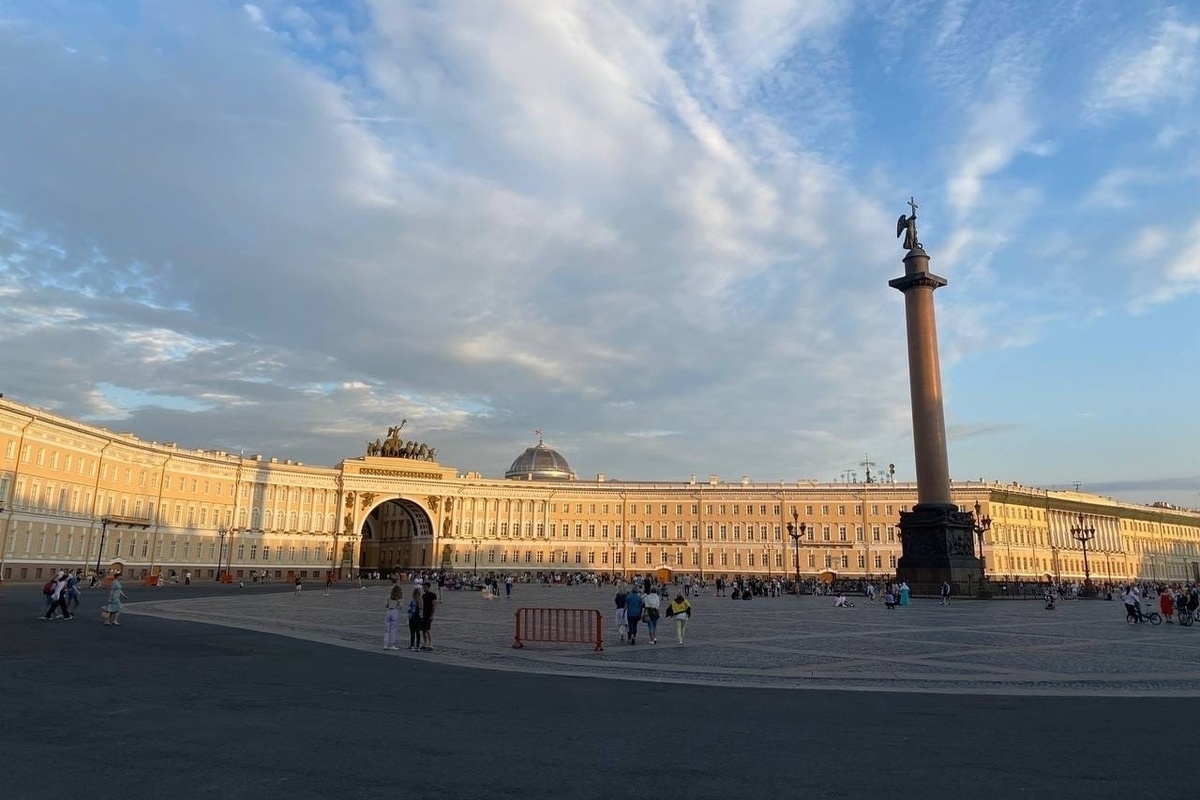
916,279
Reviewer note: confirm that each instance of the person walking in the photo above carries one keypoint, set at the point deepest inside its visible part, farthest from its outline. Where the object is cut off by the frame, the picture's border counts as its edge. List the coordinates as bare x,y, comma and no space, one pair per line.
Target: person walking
58,597
633,611
428,606
945,593
116,596
328,582
650,605
904,592
299,585
508,582
391,618
73,591
414,620
680,610
621,616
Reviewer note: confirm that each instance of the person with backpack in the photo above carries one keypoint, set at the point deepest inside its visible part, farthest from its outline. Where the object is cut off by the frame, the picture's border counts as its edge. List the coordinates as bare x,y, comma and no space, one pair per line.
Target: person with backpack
679,610
57,596
621,617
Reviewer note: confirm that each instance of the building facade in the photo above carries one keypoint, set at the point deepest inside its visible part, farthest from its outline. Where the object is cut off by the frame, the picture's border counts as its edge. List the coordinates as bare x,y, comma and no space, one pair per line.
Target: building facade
78,496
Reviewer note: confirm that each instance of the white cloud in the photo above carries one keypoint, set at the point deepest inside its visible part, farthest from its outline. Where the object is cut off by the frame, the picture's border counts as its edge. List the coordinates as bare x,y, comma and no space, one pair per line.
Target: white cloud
1150,72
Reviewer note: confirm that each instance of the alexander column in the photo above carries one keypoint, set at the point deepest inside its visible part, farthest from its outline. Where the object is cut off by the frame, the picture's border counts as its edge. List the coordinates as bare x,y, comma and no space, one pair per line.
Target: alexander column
936,538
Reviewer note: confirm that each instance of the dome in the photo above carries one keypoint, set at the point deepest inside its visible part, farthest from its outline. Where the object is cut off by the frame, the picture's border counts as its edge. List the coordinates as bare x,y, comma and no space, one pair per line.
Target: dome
540,463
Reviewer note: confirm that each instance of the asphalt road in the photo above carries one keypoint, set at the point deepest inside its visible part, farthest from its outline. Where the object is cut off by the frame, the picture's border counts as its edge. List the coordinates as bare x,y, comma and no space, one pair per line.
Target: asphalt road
165,709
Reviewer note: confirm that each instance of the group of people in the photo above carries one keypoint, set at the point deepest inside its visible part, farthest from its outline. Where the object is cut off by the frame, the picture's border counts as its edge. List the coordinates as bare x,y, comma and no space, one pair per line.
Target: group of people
1171,601
419,609
640,603
62,595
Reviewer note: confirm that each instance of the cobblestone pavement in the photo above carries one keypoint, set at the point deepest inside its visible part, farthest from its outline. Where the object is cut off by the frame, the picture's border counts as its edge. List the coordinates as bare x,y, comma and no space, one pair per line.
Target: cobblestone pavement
971,647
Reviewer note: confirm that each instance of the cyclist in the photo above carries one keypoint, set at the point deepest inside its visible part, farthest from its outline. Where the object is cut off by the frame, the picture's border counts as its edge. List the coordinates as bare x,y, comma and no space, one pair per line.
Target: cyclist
1132,605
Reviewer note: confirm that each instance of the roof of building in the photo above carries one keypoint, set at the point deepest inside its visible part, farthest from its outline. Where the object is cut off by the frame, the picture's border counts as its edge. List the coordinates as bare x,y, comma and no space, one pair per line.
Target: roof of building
540,463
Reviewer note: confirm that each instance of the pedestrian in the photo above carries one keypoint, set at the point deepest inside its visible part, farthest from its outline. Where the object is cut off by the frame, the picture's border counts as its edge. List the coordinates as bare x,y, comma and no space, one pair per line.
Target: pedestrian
904,592
633,611
889,600
651,603
414,620
116,596
298,584
391,617
945,593
428,606
73,591
58,597
187,578
1166,604
328,582
508,582
622,618
680,610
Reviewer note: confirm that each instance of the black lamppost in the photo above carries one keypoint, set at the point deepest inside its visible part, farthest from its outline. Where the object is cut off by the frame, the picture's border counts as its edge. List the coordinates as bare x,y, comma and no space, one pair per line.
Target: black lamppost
796,529
104,523
475,551
1083,535
613,547
770,551
981,525
221,532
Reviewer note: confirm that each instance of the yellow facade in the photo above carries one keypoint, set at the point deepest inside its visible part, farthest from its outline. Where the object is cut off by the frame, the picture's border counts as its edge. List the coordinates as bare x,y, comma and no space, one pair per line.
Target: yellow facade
166,509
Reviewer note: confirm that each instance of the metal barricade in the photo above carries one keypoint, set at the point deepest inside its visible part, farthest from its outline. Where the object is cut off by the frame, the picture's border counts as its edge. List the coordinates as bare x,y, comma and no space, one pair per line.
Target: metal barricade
568,625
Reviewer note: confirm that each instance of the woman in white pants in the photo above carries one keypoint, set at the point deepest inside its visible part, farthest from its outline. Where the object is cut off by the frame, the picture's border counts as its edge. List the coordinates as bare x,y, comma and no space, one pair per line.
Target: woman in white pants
391,619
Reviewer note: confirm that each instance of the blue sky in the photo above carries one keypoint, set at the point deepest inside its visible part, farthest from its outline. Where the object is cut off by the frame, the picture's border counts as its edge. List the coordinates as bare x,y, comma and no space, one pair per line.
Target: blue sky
659,231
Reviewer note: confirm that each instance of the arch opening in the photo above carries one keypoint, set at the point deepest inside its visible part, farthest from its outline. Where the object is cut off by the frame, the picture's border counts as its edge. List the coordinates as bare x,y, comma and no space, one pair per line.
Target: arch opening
397,534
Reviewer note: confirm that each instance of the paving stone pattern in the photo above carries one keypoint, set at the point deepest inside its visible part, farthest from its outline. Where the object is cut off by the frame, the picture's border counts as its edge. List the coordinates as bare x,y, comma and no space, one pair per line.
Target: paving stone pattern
978,647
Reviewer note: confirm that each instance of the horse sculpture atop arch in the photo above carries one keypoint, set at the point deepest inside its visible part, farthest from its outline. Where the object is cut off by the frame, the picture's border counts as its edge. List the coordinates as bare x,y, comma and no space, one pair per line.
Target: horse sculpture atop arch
392,446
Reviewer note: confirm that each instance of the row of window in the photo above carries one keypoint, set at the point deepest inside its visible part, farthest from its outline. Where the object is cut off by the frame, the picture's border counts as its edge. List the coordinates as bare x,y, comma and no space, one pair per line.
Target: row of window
647,530
650,558
119,546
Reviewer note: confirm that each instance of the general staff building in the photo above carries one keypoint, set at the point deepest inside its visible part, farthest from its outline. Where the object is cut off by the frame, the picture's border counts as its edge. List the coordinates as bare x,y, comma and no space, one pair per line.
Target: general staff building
78,496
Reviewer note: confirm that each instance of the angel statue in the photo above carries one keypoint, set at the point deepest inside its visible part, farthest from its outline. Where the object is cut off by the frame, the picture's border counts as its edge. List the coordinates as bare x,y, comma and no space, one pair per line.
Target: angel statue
907,225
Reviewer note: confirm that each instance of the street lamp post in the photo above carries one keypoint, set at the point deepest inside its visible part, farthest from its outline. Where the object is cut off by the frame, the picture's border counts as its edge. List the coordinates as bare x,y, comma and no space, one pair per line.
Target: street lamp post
1083,535
613,547
104,523
770,554
222,532
796,530
475,552
981,525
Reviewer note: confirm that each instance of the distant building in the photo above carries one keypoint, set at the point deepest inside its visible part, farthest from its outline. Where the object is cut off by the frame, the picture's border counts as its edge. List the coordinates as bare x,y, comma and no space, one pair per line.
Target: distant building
166,508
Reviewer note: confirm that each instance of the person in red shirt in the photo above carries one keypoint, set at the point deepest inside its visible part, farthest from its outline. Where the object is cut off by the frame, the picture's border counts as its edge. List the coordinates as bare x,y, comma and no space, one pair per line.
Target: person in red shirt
1166,604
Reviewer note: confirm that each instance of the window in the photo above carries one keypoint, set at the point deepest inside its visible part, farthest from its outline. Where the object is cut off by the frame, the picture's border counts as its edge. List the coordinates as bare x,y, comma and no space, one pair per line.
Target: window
808,510
825,533
824,510
858,511
662,510
858,533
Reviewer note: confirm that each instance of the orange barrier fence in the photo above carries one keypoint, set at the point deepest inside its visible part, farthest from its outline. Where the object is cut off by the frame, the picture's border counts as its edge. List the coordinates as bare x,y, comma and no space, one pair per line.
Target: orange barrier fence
570,625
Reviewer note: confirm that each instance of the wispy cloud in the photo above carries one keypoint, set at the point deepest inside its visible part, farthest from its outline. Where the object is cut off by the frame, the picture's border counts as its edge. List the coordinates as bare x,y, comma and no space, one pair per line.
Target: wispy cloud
1143,74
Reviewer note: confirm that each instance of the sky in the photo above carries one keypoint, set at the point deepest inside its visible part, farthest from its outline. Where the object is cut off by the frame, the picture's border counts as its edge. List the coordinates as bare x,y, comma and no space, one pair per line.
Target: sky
660,232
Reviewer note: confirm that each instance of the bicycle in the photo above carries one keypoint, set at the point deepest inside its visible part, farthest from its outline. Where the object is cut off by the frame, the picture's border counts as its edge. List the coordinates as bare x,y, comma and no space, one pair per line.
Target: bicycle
1185,617
1153,617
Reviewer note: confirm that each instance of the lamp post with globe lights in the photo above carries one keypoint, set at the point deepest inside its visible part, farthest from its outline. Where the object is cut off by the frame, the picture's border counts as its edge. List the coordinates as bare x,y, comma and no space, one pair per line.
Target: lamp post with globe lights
1083,534
796,530
981,525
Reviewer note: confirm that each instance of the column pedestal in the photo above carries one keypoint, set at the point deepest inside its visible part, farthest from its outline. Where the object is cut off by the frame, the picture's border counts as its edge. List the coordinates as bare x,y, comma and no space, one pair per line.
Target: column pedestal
938,545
